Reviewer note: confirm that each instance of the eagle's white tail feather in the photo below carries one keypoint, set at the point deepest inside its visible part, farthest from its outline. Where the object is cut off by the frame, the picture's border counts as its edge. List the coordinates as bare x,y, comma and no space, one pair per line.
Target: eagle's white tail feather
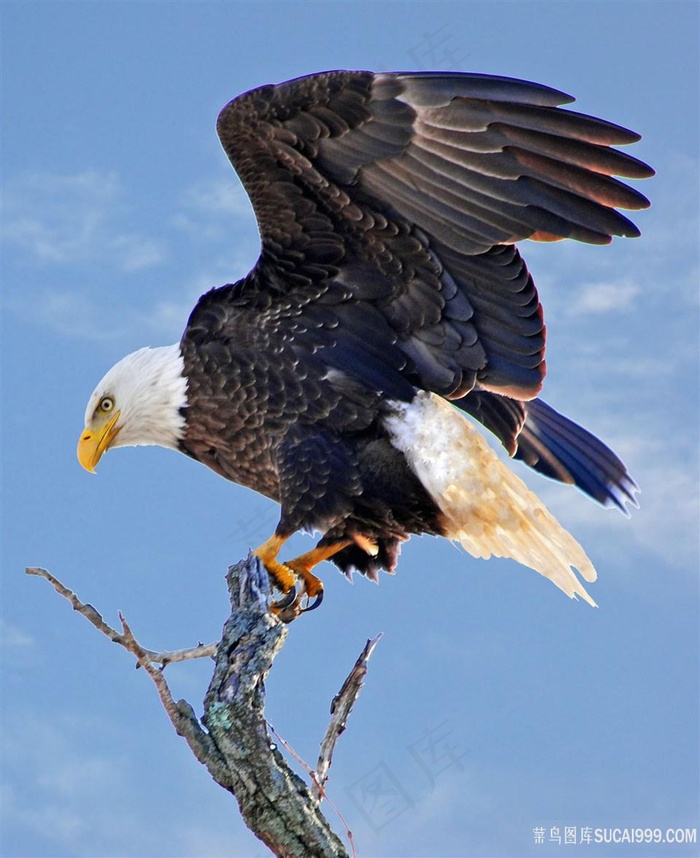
487,508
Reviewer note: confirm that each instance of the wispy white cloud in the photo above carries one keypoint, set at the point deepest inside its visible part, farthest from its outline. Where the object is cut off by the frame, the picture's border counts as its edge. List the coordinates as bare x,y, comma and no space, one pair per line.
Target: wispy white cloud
13,638
69,782
216,209
74,313
218,196
80,314
605,297
52,783
84,314
73,223
69,220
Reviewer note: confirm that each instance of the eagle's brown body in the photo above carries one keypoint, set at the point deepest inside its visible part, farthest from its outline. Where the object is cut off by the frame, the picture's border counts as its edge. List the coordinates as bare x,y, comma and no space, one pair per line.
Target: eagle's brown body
314,444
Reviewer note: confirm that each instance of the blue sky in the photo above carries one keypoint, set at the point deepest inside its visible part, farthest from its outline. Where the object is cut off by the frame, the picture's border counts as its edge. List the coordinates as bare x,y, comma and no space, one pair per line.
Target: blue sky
494,705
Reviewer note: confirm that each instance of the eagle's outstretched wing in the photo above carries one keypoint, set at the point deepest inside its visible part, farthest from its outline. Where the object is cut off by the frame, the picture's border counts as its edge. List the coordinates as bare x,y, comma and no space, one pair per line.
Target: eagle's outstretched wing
388,204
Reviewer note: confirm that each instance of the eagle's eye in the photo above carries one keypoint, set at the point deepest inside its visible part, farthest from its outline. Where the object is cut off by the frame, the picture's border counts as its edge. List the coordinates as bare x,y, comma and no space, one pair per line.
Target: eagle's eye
106,404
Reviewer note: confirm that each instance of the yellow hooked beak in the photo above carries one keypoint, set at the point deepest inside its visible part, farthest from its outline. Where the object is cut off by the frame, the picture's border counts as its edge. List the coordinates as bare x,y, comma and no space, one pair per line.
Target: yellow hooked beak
95,441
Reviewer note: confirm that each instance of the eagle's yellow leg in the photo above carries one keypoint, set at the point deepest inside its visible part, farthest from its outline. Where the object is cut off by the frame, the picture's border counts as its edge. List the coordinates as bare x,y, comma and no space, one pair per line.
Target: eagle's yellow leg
284,575
304,563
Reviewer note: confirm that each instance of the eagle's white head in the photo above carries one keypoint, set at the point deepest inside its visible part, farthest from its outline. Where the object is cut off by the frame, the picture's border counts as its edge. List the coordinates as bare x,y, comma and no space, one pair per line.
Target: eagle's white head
140,401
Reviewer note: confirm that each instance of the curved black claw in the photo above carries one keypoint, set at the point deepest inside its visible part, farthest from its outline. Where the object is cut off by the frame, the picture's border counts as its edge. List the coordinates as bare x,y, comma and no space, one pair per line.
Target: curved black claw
286,601
316,602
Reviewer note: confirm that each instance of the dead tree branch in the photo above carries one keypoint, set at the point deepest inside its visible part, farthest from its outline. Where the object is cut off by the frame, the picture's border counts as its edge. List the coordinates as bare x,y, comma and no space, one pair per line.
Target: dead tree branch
93,616
232,738
341,706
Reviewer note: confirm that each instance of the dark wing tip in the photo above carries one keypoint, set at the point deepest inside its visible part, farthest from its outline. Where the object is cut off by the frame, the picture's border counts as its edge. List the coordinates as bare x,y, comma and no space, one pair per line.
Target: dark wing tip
559,448
622,495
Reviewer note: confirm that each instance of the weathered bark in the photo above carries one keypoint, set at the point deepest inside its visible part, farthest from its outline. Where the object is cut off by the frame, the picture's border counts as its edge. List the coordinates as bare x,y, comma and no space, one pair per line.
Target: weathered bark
275,803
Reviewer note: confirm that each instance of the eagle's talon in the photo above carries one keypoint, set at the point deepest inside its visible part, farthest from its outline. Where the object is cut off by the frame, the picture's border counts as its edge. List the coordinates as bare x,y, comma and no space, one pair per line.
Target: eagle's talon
295,578
316,602
285,602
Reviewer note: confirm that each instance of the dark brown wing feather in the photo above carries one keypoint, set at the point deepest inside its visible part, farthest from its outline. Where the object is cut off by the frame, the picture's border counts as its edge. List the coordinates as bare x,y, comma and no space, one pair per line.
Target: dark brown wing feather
388,205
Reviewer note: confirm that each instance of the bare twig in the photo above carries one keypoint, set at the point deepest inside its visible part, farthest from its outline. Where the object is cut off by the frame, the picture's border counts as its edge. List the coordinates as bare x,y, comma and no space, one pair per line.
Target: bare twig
181,713
94,617
341,707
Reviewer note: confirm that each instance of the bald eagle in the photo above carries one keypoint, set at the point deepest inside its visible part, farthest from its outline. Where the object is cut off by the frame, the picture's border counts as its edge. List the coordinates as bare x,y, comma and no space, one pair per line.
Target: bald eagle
389,301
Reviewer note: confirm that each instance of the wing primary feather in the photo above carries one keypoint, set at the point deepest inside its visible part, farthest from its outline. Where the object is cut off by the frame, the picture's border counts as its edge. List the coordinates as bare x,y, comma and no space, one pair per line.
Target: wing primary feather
550,440
428,89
